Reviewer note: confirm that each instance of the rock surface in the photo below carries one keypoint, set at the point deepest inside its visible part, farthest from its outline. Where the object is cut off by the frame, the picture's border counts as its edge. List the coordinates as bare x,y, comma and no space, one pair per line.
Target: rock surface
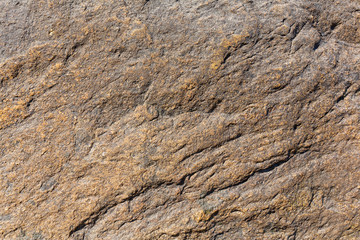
179,119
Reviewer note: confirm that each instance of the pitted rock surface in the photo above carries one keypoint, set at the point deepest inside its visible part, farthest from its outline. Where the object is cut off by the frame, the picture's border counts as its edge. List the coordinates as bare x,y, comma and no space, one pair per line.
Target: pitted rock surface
179,119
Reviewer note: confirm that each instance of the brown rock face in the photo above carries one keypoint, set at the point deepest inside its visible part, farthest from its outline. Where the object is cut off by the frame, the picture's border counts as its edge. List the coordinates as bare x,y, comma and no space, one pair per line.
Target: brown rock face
179,119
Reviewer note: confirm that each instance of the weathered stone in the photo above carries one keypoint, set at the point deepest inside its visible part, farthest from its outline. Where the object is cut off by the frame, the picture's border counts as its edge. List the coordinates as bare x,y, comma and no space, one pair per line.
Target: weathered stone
173,119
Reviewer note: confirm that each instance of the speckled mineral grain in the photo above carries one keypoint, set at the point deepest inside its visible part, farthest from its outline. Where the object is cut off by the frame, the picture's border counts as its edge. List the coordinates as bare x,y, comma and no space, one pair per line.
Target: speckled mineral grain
179,119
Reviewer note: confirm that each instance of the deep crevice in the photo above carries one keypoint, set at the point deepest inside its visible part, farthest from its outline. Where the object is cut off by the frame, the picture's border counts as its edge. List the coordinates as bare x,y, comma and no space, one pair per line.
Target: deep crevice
91,221
238,135
316,45
260,171
226,57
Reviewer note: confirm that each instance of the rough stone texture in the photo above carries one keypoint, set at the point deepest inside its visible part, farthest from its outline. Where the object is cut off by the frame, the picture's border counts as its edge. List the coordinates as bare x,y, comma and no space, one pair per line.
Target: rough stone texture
179,119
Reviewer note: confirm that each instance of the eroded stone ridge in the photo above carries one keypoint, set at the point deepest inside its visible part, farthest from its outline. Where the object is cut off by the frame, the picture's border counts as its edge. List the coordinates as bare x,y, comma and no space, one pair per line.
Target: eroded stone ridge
206,119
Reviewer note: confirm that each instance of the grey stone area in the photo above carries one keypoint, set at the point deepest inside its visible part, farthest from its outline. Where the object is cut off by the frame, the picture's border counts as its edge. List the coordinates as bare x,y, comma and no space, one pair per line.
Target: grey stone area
176,119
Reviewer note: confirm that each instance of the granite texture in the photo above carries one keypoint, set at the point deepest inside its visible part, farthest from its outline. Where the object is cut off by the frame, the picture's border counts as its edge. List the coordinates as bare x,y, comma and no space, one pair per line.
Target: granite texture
179,119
